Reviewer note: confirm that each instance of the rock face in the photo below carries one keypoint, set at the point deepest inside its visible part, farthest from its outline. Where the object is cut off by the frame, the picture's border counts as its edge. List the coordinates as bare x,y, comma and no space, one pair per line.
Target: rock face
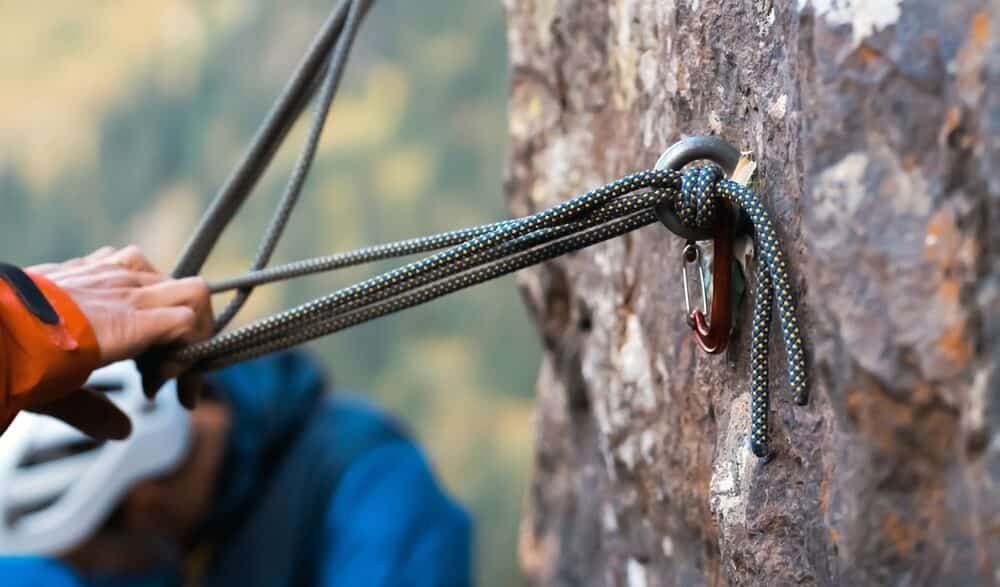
876,128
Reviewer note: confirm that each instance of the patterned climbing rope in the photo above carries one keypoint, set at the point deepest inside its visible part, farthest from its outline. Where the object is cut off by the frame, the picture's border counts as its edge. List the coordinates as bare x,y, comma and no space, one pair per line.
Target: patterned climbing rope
460,258
469,256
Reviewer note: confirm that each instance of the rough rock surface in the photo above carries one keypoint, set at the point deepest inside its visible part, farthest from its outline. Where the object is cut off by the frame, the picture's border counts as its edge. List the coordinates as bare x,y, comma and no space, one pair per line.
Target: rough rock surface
876,128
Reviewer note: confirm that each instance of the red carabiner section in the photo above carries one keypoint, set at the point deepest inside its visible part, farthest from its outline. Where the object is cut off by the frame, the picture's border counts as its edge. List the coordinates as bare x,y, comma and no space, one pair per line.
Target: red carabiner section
712,333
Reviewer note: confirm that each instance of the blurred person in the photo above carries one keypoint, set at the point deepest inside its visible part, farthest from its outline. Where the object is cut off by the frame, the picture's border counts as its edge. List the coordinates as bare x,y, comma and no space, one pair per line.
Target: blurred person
60,321
277,483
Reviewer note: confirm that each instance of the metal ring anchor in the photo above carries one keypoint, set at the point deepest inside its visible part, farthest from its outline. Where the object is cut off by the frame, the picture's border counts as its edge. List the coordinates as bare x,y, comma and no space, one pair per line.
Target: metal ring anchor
687,151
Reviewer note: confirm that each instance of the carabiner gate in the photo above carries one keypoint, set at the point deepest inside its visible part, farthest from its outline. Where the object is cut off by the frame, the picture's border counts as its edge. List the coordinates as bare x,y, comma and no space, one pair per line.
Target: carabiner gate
692,256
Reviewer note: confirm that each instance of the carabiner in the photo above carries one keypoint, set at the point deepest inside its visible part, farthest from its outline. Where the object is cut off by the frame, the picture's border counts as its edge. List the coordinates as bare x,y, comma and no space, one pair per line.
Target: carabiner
712,334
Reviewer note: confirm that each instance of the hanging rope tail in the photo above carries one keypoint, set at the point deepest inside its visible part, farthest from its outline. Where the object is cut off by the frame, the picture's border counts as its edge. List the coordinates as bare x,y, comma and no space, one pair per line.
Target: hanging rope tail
460,258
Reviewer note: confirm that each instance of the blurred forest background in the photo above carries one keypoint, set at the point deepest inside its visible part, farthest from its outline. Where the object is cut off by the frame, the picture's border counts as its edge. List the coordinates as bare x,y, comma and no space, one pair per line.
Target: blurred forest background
120,119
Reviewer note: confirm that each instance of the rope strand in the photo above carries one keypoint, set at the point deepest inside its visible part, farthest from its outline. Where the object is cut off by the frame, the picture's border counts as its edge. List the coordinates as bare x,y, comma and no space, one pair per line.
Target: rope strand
353,258
560,213
441,288
334,73
312,311
481,253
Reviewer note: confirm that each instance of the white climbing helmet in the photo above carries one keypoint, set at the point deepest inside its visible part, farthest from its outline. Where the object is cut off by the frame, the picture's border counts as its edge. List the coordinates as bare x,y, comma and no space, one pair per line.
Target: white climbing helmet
57,486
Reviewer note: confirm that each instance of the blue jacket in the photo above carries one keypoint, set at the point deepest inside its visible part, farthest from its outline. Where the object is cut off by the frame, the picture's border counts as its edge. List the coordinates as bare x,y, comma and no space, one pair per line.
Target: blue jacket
315,490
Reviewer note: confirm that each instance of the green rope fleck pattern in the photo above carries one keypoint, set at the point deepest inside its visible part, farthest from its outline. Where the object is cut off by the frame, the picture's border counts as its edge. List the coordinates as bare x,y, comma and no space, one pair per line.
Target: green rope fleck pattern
481,253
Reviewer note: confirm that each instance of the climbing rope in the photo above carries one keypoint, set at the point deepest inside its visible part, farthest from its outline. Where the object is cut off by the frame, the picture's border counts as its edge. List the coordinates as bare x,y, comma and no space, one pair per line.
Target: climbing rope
335,72
328,52
508,238
462,258
441,287
478,254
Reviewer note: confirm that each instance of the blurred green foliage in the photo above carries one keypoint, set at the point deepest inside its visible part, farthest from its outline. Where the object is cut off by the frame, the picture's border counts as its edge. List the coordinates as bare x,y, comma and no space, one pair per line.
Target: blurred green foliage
124,118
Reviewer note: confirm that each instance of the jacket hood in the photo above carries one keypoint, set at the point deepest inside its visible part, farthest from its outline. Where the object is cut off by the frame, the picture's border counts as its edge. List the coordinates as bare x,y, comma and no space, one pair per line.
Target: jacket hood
270,399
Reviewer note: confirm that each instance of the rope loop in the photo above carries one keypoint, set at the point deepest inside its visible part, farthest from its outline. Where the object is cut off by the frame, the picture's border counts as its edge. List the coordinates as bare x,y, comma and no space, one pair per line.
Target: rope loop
695,203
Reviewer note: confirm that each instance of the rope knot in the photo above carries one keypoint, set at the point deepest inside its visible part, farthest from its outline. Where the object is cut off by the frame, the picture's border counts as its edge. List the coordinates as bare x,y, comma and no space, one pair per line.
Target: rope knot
696,203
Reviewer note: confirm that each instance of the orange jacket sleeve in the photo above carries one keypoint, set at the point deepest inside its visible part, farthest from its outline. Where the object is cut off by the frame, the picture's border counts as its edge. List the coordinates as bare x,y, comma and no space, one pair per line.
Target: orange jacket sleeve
39,361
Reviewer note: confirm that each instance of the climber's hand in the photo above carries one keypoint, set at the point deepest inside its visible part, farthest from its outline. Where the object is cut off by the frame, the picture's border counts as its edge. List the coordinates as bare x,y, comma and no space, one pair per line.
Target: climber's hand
130,305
